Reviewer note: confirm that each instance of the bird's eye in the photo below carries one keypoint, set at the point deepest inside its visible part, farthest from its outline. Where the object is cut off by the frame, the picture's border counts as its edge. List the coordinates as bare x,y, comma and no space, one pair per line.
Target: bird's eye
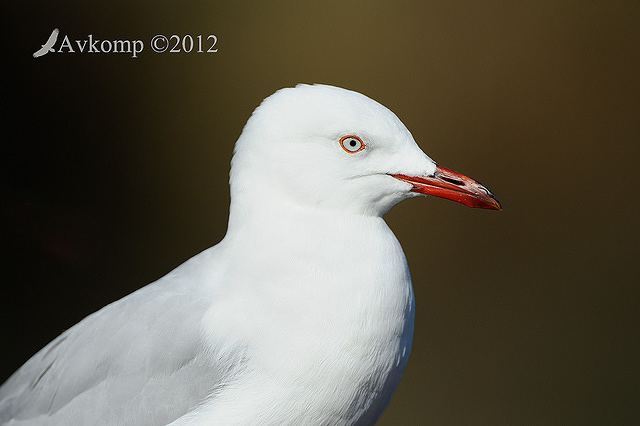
352,144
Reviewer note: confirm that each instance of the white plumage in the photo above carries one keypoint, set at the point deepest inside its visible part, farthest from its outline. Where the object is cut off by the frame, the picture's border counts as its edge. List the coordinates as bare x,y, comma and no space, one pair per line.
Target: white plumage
302,314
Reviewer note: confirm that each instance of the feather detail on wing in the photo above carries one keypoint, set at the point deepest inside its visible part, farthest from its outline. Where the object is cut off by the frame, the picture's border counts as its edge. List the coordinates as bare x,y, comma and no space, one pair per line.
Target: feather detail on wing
141,355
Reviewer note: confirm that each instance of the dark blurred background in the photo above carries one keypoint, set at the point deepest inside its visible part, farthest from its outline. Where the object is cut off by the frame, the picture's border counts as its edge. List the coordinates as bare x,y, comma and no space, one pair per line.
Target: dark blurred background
114,170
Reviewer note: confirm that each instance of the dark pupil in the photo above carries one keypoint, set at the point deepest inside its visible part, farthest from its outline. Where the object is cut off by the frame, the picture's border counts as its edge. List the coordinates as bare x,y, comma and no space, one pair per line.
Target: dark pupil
353,143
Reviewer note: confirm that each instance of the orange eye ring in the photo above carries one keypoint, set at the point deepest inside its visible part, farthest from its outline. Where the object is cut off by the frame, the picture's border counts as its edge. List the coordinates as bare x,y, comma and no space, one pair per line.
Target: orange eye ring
351,144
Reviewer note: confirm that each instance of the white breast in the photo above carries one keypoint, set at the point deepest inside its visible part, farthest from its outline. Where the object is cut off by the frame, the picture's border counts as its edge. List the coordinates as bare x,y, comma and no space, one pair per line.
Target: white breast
326,335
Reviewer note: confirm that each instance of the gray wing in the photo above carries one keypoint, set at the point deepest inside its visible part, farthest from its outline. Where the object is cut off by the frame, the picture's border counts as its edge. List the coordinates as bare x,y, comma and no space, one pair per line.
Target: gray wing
40,52
136,361
52,39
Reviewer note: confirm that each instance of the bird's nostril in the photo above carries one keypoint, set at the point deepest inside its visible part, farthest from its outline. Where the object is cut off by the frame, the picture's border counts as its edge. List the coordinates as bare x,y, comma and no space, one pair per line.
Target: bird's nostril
453,181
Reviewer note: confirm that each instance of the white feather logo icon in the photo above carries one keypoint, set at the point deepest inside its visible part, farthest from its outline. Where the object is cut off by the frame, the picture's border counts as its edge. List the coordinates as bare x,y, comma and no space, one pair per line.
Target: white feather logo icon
48,46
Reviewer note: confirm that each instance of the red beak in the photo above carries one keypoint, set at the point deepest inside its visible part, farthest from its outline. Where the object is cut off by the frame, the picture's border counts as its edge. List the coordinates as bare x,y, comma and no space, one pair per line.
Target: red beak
453,186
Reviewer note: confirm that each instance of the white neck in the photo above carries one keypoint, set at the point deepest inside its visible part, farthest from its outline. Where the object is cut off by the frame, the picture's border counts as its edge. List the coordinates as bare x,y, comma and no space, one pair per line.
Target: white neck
339,301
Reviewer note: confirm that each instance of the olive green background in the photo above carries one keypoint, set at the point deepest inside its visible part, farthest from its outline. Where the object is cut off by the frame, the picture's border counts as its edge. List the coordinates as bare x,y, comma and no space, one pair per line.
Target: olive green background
114,170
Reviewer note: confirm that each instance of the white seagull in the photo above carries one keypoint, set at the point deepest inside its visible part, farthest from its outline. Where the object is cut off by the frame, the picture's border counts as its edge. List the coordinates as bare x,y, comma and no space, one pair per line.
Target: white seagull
302,315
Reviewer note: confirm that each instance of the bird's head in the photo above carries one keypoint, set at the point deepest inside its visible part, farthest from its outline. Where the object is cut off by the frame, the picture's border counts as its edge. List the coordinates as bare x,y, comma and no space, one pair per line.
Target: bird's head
331,148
